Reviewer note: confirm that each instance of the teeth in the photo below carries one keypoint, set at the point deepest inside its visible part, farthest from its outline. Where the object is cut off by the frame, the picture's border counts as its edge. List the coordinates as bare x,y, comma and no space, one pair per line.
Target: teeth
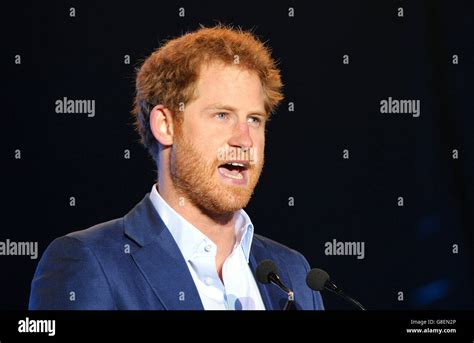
237,164
239,176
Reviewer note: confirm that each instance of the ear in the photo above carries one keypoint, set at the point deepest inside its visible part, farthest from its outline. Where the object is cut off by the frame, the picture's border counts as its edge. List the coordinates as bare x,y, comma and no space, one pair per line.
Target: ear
161,124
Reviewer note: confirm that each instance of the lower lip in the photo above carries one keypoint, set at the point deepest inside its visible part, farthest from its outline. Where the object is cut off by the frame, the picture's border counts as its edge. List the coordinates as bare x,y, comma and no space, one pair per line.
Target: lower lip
238,182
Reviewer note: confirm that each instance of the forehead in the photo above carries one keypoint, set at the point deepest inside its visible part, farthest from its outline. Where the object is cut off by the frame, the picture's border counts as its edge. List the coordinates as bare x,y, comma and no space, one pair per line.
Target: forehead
233,85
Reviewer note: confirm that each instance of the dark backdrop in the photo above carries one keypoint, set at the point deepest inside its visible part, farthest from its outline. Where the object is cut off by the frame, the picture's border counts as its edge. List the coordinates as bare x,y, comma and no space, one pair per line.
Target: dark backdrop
408,248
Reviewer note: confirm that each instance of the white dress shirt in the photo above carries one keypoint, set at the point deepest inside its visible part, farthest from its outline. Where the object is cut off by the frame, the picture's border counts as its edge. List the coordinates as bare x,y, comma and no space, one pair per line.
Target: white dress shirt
239,290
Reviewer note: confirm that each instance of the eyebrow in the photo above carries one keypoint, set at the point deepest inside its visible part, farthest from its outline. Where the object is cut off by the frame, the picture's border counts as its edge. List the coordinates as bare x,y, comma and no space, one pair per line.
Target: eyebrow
218,106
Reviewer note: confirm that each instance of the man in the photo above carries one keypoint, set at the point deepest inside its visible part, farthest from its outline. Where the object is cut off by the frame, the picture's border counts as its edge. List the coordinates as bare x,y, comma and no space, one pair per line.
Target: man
202,101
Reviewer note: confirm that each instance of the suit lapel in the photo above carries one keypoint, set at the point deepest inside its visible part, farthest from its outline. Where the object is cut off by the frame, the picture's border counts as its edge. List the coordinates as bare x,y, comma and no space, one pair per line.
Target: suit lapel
160,260
163,266
272,296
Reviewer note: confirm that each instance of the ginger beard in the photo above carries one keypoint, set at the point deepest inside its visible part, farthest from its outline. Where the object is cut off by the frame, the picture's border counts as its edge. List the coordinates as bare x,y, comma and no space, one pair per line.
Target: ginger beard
198,180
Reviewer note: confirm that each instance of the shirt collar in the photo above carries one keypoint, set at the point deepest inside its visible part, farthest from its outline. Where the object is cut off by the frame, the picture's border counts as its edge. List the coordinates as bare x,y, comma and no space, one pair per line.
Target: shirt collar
189,239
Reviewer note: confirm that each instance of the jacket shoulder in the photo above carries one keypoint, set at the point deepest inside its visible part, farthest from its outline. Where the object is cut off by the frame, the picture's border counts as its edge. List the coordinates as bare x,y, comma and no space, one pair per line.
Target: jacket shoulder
105,233
278,249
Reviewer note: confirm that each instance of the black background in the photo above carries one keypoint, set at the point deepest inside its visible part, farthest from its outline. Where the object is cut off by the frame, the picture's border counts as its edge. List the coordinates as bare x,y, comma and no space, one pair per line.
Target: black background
407,248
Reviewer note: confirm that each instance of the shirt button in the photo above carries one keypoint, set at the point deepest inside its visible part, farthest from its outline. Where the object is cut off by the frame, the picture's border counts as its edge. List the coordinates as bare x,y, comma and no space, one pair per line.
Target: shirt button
208,280
208,248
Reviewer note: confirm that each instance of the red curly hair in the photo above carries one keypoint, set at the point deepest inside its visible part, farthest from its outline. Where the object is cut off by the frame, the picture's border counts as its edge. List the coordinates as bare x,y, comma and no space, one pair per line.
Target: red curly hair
169,75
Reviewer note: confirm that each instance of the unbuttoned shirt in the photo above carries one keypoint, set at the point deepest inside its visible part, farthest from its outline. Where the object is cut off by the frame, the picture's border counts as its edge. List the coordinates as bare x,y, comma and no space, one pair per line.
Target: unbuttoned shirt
239,291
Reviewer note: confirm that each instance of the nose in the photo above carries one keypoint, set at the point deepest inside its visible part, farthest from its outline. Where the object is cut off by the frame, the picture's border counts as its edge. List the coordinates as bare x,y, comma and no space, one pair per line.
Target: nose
241,137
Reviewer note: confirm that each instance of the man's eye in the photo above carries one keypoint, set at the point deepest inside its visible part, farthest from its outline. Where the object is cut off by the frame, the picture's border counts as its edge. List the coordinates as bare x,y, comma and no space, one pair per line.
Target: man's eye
221,115
255,120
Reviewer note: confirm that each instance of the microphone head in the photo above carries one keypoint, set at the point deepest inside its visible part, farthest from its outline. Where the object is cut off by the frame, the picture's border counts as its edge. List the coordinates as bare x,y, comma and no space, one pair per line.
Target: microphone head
316,279
265,269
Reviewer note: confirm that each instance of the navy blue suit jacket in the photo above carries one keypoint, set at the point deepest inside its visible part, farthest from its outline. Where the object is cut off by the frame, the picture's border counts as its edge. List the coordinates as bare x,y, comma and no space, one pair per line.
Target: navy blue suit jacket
133,263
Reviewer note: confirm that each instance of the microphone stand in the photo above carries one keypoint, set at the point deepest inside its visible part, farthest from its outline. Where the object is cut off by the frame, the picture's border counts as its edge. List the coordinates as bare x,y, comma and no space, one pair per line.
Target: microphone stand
330,286
289,303
275,279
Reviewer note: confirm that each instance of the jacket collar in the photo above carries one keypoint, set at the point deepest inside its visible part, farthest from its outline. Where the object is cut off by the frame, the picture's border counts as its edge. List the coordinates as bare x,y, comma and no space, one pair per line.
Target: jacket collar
164,267
160,260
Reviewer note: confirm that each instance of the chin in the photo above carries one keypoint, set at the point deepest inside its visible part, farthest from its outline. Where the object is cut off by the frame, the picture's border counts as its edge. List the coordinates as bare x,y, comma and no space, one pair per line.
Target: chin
228,200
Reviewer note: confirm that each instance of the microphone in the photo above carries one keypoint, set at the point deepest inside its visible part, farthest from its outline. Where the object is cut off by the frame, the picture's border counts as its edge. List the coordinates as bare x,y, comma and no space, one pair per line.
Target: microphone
267,272
318,280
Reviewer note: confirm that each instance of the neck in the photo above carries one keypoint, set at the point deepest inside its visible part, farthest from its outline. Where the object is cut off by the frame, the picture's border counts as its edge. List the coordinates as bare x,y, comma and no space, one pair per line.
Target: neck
218,228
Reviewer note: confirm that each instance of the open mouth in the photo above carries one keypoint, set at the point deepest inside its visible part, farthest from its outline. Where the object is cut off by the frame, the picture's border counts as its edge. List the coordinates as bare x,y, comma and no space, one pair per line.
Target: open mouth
235,170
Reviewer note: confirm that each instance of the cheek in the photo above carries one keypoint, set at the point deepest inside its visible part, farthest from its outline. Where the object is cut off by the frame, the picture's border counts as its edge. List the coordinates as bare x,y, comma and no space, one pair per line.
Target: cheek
207,131
208,147
201,136
259,143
